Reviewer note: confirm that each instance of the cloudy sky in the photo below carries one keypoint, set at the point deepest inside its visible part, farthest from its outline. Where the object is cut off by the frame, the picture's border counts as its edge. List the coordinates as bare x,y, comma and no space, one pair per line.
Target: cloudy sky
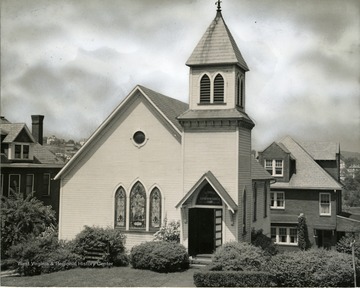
75,60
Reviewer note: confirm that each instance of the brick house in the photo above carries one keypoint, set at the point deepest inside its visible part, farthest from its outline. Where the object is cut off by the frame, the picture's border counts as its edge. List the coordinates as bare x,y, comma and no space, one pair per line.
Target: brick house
26,165
307,181
155,157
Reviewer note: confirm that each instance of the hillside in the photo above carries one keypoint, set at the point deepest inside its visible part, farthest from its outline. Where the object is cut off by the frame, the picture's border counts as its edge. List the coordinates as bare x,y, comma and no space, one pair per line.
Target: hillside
348,154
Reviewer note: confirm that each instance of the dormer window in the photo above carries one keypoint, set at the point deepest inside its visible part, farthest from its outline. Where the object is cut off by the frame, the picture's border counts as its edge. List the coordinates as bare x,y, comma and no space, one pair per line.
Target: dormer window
274,167
205,89
219,89
22,151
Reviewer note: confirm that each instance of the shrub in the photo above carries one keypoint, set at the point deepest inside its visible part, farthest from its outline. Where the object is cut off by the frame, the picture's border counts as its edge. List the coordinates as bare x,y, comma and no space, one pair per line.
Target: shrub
169,257
160,256
140,255
43,254
258,239
22,218
169,232
314,267
233,279
238,256
107,239
344,244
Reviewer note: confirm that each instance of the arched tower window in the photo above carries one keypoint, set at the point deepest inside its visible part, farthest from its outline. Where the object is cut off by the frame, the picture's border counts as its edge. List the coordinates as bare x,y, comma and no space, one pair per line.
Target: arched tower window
218,89
238,93
205,89
244,212
242,93
120,208
138,207
155,208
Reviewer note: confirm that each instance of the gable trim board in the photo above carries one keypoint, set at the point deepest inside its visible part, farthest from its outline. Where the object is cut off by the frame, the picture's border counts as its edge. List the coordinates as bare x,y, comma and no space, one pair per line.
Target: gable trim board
135,94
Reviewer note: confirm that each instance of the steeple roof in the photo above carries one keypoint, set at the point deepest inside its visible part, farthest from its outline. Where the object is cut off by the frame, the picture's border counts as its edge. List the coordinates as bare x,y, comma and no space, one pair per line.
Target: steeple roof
217,46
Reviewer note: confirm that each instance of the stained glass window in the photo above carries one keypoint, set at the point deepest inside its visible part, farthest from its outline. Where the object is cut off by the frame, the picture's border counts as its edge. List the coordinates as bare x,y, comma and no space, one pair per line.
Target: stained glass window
138,206
120,207
155,208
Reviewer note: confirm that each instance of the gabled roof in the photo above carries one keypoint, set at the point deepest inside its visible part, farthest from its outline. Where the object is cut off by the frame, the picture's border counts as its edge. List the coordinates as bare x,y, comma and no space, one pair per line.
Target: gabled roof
217,46
12,131
170,107
42,156
322,150
167,107
212,180
258,172
309,174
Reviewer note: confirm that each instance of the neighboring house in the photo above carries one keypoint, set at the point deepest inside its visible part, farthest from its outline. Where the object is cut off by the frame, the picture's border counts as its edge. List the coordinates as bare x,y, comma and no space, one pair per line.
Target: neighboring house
306,182
353,170
26,165
157,158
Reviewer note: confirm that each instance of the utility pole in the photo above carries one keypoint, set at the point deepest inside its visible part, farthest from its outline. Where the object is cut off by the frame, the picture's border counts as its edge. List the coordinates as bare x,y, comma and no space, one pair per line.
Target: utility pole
352,245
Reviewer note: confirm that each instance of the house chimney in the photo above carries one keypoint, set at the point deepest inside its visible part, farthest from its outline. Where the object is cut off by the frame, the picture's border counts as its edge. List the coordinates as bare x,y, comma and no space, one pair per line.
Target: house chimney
37,128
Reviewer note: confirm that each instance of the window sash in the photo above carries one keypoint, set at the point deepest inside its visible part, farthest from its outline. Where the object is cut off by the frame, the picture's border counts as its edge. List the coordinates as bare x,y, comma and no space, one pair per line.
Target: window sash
14,182
274,167
29,183
46,184
325,204
277,200
284,235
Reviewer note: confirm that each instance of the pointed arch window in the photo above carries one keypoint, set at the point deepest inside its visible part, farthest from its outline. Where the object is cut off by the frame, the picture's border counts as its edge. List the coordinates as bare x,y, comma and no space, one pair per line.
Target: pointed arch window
205,89
120,208
138,207
218,89
241,92
238,93
155,208
244,212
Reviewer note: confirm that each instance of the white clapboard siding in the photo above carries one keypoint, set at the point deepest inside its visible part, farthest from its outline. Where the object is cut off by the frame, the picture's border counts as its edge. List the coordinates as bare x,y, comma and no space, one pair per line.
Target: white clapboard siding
87,196
211,151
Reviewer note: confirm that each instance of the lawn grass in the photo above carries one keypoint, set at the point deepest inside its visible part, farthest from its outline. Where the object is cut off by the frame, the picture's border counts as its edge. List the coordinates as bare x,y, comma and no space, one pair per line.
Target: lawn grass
104,277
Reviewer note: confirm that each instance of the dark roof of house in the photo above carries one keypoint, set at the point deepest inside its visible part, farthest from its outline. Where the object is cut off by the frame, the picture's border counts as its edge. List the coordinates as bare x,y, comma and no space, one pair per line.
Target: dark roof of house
12,130
322,150
217,46
309,174
170,107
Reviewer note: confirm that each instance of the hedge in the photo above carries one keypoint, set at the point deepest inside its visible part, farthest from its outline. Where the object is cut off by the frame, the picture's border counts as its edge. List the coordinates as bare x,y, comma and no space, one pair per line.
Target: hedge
207,278
313,268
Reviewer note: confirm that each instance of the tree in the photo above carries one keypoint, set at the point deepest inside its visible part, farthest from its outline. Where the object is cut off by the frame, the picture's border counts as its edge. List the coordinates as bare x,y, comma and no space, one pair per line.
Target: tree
22,217
303,236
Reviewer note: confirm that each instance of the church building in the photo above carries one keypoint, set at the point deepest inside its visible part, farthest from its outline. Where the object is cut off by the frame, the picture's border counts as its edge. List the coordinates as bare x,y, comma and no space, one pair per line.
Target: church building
157,158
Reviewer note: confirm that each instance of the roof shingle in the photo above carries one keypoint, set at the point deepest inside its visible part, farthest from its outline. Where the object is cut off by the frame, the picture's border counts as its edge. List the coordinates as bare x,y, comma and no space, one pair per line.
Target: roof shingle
217,46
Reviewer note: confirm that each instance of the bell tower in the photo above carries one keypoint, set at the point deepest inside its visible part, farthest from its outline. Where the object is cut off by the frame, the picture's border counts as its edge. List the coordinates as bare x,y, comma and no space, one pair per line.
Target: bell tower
217,70
216,128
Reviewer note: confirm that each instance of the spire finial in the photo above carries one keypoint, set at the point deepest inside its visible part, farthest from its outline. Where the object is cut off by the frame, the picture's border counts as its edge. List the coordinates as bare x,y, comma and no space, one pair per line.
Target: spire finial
218,5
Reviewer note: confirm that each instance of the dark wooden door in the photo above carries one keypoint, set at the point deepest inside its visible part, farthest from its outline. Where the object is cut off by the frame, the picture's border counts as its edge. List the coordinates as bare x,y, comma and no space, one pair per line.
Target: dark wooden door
201,231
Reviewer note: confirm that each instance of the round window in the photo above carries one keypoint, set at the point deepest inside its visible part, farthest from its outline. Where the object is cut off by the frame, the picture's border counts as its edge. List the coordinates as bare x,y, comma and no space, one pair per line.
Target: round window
139,137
